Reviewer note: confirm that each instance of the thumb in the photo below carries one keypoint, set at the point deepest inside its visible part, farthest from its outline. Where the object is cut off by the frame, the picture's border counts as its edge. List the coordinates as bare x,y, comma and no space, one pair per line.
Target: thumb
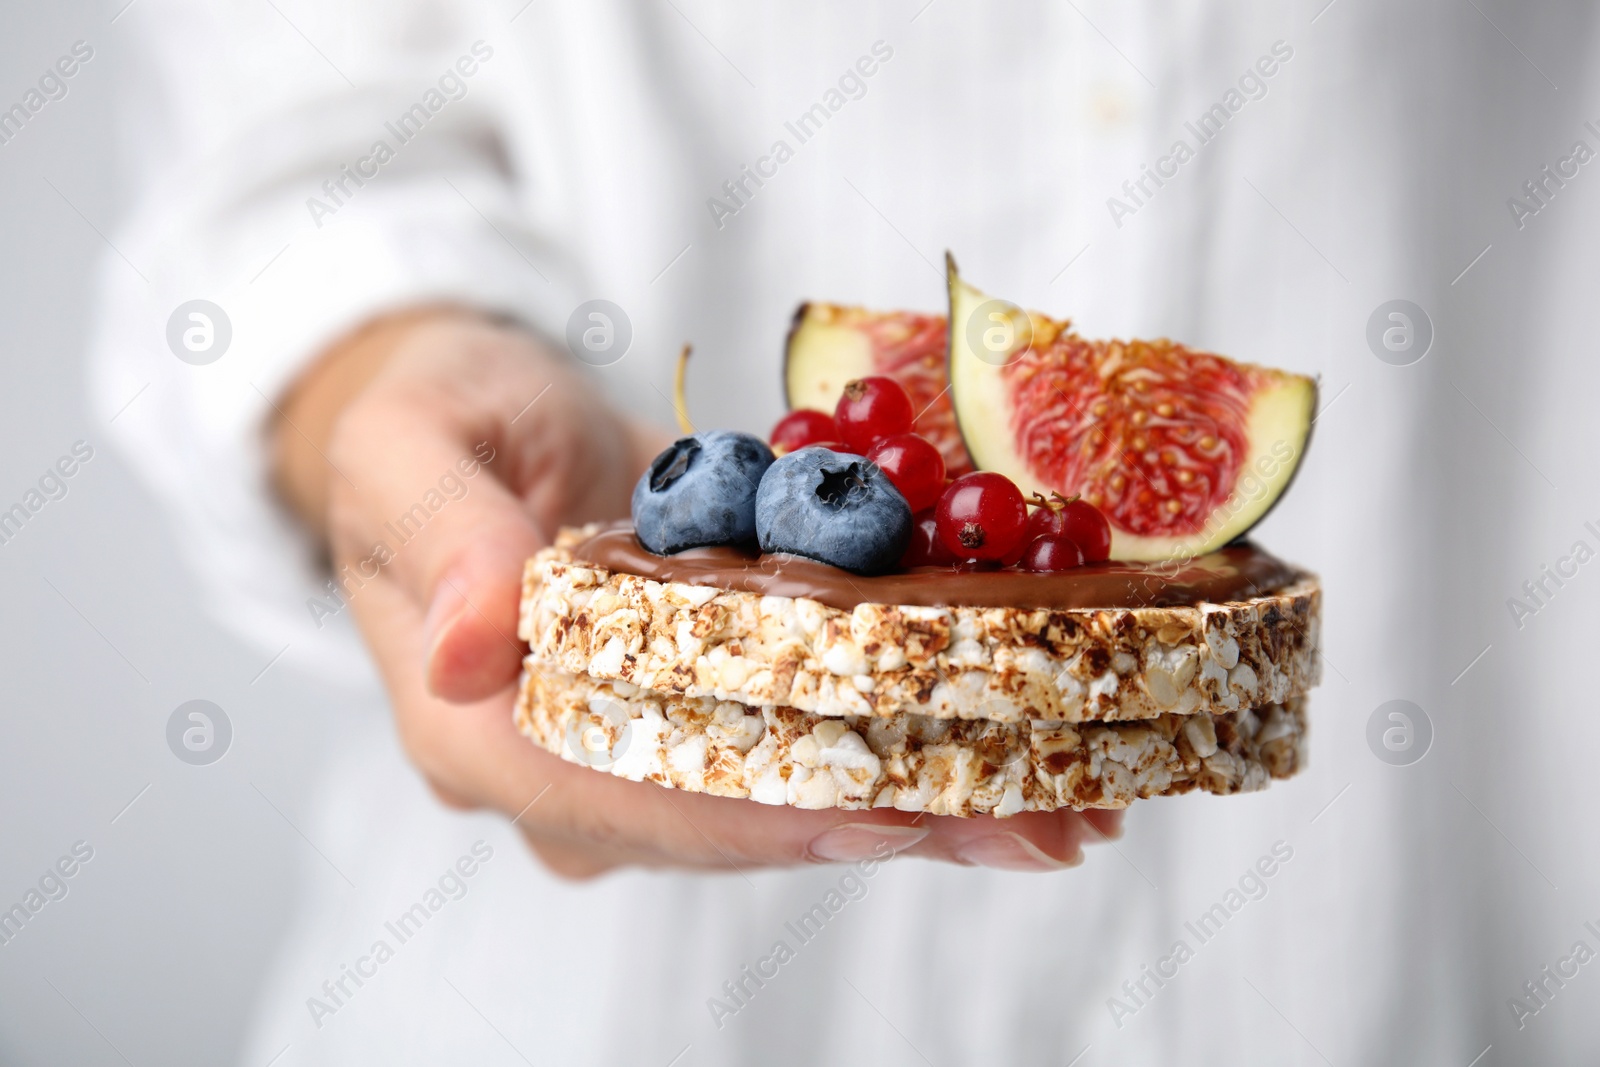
469,634
460,541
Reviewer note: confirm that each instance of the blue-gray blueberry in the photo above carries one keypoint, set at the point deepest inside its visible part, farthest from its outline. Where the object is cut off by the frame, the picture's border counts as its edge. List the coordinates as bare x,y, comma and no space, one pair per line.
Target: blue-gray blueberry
701,491
833,507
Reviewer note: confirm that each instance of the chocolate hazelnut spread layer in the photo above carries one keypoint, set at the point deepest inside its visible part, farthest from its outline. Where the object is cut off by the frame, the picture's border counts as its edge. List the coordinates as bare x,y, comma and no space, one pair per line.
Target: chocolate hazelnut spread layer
1234,573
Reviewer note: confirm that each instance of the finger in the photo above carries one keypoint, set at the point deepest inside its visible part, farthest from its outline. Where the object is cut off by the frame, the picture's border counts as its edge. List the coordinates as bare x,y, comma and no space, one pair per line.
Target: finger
1030,841
450,798
574,862
1104,825
452,536
470,634
647,824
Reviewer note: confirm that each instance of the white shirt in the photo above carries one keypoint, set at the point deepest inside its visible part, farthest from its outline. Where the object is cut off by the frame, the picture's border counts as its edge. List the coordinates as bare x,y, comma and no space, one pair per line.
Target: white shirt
601,150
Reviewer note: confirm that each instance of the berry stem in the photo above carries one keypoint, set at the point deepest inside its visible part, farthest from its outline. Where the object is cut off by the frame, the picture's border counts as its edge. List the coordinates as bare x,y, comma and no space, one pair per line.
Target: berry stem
1055,503
680,401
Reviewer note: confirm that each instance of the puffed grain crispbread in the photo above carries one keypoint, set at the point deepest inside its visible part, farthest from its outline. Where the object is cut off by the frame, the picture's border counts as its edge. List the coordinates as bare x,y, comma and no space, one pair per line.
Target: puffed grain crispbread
951,711
1002,664
965,767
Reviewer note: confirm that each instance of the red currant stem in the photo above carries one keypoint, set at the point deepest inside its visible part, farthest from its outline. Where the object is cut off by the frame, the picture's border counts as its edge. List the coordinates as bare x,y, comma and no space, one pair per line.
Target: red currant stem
1055,503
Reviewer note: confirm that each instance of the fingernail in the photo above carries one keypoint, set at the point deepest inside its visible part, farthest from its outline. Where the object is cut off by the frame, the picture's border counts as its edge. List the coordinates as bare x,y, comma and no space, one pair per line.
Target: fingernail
1009,851
854,841
446,606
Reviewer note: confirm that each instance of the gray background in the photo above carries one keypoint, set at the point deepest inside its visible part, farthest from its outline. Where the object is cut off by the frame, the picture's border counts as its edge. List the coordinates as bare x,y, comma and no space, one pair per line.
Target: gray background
163,935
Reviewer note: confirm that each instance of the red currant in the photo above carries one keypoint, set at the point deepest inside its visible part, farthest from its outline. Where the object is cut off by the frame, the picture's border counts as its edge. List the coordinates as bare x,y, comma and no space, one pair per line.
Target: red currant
1083,522
1044,517
1076,519
1042,522
915,467
925,549
982,516
1052,553
872,408
802,427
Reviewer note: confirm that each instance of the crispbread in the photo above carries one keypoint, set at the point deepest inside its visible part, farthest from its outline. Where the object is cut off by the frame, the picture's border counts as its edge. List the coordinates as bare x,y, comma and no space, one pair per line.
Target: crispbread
780,755
1007,665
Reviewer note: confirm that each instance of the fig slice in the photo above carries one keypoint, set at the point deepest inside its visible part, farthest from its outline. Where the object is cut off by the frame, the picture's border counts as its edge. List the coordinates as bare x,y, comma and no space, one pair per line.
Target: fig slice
1182,450
829,345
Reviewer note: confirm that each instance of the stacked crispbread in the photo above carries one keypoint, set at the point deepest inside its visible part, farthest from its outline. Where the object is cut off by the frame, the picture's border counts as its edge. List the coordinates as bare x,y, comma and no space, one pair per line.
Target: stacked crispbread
951,711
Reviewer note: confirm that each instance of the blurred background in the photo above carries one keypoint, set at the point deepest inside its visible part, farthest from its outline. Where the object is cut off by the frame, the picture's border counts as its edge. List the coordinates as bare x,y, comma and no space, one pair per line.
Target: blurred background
163,936
1438,489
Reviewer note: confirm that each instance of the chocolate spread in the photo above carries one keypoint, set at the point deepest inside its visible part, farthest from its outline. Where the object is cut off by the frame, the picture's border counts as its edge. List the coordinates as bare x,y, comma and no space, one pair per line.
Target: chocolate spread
1234,573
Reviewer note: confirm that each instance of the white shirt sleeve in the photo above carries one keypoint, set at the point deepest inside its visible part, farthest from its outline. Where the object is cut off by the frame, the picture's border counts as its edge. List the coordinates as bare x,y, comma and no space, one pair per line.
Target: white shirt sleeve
303,176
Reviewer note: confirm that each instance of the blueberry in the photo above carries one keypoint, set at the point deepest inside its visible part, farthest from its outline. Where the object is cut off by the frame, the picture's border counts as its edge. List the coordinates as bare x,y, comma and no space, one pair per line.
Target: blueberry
701,491
833,507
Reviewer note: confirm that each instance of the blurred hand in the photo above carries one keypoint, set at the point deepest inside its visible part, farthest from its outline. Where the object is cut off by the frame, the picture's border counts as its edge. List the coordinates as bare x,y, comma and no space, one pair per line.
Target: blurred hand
419,398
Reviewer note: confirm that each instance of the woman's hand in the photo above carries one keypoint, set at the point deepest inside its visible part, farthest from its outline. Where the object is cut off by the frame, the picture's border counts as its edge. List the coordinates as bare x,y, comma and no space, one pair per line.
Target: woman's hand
396,417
